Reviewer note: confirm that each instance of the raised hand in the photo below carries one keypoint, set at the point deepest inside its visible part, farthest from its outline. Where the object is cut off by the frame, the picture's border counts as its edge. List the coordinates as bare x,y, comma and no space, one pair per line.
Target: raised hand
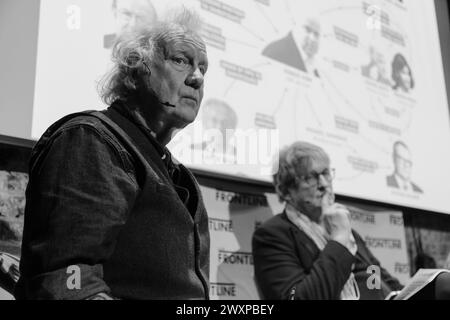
336,220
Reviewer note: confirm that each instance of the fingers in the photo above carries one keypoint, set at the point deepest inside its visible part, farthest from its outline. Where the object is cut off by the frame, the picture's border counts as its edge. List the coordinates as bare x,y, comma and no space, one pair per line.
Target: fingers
327,198
335,210
340,206
343,208
343,211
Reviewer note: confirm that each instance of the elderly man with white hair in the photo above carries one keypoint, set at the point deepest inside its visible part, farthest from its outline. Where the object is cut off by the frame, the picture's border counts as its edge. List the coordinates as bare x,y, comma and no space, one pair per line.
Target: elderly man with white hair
309,251
109,213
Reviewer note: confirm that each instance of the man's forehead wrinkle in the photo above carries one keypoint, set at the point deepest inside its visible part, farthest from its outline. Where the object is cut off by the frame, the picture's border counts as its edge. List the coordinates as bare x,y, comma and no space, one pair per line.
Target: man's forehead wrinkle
179,38
312,163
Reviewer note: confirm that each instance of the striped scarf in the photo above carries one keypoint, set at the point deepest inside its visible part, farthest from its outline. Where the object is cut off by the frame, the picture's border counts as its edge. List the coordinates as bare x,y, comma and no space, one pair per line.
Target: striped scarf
318,235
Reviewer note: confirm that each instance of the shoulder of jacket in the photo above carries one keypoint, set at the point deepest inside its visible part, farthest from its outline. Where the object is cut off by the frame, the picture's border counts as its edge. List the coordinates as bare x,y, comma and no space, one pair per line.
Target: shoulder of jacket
86,119
82,119
274,223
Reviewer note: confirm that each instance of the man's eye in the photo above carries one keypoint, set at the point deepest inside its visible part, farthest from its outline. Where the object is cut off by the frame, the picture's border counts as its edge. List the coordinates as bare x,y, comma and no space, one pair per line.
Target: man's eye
179,61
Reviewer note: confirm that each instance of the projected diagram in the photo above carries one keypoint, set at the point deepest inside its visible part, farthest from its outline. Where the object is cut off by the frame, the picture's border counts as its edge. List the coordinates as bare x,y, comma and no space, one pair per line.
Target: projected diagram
354,77
340,76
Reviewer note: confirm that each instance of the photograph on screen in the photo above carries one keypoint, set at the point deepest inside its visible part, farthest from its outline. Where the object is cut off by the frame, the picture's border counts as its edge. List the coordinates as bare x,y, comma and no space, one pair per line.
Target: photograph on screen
403,164
376,68
127,15
219,121
298,48
402,75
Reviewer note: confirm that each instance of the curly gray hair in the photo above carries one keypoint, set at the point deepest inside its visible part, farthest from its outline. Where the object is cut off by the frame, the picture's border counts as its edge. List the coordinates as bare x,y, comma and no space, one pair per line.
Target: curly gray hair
293,161
134,51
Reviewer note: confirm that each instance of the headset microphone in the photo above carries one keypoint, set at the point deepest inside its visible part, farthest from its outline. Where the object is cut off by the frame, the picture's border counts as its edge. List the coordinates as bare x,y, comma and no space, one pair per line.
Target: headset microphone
167,104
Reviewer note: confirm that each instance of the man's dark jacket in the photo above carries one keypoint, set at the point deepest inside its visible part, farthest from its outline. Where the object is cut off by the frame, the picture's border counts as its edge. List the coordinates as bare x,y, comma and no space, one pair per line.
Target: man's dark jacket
289,265
116,207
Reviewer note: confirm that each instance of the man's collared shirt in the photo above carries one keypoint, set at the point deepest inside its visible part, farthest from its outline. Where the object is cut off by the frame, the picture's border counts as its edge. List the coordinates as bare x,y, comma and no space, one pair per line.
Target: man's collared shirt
403,184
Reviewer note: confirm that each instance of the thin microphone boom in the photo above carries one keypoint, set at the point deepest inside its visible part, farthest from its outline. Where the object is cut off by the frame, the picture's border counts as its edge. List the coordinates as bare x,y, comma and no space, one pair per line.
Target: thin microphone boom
167,104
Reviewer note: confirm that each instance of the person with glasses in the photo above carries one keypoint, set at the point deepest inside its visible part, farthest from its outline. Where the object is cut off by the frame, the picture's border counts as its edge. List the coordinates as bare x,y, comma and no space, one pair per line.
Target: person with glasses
309,251
401,177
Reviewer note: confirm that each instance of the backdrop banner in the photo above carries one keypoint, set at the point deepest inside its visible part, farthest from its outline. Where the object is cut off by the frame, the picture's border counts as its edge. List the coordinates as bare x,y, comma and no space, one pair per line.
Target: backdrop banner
384,234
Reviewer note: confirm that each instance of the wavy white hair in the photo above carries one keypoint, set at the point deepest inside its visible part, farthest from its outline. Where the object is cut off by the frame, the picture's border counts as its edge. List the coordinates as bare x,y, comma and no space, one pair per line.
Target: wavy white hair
141,47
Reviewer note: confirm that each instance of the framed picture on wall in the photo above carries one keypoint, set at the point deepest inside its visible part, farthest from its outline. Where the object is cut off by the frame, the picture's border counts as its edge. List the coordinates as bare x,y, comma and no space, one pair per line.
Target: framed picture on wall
14,156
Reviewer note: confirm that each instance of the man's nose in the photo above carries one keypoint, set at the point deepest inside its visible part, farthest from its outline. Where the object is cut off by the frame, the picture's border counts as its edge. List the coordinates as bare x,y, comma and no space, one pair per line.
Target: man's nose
195,79
322,181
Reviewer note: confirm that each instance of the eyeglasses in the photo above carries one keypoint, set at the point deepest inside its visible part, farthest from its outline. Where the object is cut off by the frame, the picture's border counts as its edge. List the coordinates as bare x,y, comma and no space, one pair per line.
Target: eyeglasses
313,178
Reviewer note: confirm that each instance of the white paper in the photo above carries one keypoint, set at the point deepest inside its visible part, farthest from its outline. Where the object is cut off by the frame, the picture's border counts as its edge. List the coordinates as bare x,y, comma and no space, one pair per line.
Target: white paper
418,282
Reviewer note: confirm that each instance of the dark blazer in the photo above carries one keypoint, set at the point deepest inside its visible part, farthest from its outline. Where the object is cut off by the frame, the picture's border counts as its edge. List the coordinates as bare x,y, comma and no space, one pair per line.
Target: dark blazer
104,196
392,182
285,50
288,265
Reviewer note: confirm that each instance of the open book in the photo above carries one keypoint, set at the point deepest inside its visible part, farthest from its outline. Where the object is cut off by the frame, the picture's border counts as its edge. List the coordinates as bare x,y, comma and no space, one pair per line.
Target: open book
418,282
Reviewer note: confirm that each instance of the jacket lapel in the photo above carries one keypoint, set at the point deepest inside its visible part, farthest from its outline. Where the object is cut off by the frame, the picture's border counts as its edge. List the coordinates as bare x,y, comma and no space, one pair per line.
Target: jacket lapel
306,248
